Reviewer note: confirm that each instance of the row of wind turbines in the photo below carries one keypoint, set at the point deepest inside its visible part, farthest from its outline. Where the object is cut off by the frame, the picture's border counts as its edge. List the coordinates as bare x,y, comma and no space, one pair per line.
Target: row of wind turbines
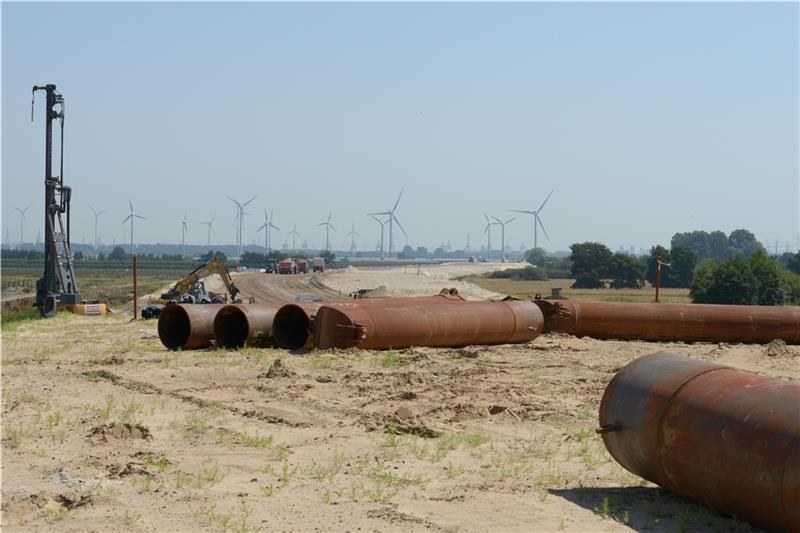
390,218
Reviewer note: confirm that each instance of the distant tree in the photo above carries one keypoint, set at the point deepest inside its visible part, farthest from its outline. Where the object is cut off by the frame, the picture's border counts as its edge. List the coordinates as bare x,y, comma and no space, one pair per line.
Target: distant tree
407,253
683,262
78,256
206,257
439,252
328,256
626,271
650,276
422,252
536,256
591,262
769,280
680,271
253,260
756,280
117,254
791,261
744,243
705,245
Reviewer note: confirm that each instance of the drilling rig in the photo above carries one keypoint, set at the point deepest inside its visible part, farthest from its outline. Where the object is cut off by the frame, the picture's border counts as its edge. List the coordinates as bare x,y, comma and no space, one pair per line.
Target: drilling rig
58,287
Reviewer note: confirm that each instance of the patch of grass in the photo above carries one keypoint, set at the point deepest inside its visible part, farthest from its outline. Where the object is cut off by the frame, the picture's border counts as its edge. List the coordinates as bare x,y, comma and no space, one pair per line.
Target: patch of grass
229,437
58,514
390,359
235,521
130,517
209,475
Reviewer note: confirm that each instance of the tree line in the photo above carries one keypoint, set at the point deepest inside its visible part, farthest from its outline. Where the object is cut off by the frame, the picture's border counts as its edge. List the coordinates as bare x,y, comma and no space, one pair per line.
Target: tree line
716,268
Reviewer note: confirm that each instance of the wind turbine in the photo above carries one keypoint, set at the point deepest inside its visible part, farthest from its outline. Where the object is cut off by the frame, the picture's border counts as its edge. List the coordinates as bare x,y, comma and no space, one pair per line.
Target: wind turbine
488,231
352,236
294,234
328,226
271,226
537,221
22,223
96,217
239,221
184,229
131,217
503,237
381,222
210,225
391,221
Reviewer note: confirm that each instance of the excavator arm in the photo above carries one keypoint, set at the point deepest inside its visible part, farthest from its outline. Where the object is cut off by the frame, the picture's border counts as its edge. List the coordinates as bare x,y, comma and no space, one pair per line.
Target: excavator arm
214,266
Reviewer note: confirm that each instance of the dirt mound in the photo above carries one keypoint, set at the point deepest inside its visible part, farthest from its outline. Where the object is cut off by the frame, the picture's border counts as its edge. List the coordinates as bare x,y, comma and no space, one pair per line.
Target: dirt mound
778,348
119,431
19,507
277,370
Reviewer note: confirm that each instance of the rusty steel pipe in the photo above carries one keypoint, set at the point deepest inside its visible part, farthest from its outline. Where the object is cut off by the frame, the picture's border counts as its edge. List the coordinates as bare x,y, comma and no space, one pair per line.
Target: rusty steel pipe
250,324
438,321
187,326
672,322
718,435
293,326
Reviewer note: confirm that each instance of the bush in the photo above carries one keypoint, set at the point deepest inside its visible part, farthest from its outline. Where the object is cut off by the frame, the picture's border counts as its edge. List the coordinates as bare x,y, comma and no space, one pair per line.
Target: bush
528,273
588,280
757,280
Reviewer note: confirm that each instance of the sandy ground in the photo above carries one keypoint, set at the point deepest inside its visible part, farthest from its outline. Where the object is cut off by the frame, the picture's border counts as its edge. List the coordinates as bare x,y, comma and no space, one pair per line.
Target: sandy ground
103,429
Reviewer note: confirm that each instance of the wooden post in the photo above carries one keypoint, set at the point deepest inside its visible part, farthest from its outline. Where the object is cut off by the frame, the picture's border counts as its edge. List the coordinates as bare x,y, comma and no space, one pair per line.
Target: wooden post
658,274
135,292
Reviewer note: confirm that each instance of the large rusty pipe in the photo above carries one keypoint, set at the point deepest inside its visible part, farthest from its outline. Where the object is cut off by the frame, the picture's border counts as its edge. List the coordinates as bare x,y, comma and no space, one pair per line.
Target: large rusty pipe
724,437
293,326
250,324
441,321
672,322
187,326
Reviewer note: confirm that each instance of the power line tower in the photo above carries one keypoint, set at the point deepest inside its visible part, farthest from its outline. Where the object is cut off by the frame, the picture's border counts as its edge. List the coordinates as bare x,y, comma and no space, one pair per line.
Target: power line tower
58,285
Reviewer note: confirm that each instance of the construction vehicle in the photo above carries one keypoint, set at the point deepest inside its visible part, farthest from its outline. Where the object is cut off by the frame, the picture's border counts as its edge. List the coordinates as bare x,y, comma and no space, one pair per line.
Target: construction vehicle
287,266
302,266
319,264
57,288
192,290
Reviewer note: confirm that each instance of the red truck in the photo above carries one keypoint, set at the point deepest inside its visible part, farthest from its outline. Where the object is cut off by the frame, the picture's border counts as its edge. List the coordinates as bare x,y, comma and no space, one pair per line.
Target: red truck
302,266
287,266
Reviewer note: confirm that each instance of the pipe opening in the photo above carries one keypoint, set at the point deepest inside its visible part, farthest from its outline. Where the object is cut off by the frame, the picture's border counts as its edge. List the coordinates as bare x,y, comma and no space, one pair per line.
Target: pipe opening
230,327
174,327
291,327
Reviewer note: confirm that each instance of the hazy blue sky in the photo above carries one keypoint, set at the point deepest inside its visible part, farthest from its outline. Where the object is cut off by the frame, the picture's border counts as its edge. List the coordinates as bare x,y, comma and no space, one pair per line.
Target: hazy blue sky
645,119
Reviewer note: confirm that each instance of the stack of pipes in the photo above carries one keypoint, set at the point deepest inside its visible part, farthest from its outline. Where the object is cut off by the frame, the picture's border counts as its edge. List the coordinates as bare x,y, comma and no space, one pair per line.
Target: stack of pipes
445,319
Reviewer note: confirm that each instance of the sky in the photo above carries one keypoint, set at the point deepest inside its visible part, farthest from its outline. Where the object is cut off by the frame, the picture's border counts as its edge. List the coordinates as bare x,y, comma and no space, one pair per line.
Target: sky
645,119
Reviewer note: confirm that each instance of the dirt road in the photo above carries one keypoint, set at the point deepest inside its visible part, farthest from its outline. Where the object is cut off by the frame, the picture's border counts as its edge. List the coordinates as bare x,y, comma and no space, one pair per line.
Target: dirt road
103,429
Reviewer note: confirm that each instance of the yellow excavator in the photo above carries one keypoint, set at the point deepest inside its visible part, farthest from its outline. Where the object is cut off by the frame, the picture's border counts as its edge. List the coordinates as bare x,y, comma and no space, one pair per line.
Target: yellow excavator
191,289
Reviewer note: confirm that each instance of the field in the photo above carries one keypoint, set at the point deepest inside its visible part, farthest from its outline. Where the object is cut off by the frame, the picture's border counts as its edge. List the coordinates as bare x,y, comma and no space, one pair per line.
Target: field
104,429
529,289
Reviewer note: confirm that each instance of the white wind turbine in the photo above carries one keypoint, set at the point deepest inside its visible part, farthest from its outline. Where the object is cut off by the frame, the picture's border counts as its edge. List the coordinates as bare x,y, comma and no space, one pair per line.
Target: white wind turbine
210,225
488,231
96,217
328,226
381,222
268,226
503,237
22,223
391,220
184,229
352,236
239,221
294,235
537,221
131,217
